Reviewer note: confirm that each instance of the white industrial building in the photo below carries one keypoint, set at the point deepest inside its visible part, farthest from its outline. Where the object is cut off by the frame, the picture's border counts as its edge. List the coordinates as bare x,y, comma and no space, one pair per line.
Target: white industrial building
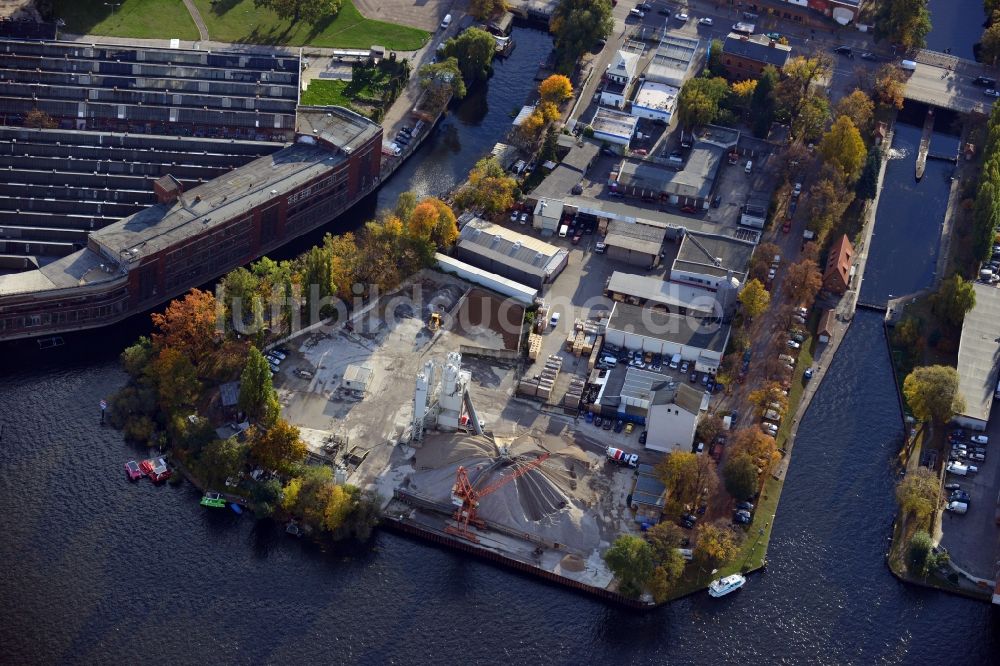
711,261
674,61
979,358
673,417
698,341
674,297
614,127
358,378
655,101
620,74
515,256
519,292
547,215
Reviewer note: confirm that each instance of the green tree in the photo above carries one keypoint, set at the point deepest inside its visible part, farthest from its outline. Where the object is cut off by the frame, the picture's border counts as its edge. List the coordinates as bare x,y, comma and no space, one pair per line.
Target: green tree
136,357
906,334
175,379
989,49
266,496
796,88
310,11
715,66
919,553
576,26
843,147
762,102
486,9
664,538
243,302
317,281
867,186
716,544
739,475
808,123
860,108
258,399
223,458
441,82
953,299
918,495
405,203
904,22
278,447
474,50
630,559
985,214
932,393
755,299
698,102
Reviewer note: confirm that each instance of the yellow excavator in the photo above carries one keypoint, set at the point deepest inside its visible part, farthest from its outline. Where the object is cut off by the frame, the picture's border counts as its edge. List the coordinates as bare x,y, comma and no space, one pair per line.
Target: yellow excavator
434,323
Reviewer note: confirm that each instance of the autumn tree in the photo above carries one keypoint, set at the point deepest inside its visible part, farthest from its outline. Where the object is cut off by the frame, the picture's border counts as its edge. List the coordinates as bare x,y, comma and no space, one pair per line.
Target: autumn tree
889,87
919,494
278,447
803,280
709,427
907,335
630,559
687,475
489,188
796,88
932,393
665,539
38,119
345,258
188,325
843,147
576,25
769,393
309,11
717,543
828,200
699,99
808,123
740,477
223,458
953,299
903,22
743,92
761,448
755,299
474,50
175,379
257,398
860,108
433,219
556,89
760,260
486,9
530,129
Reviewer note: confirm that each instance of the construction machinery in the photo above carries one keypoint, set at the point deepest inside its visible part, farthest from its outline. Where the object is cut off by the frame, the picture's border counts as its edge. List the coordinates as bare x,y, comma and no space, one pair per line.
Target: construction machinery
434,322
466,497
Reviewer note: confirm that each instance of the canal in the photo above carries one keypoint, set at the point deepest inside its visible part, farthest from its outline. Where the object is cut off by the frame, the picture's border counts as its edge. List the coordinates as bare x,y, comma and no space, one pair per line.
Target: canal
98,570
955,25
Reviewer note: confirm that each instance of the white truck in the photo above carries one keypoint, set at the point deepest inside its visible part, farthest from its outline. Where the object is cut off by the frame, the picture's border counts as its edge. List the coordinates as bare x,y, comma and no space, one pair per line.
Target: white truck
960,469
620,457
958,507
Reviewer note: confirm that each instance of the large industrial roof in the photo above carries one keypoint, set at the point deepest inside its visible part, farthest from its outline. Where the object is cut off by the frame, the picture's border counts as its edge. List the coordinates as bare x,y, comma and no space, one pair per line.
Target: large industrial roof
635,236
653,323
341,127
979,353
713,255
217,201
672,60
695,181
524,252
654,290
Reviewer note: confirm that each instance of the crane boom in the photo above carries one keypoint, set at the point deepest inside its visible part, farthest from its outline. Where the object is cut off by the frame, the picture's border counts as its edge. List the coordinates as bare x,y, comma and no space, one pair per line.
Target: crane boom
466,497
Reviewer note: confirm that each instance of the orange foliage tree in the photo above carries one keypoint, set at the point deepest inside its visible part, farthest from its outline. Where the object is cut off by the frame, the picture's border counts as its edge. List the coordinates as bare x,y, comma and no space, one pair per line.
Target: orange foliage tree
188,325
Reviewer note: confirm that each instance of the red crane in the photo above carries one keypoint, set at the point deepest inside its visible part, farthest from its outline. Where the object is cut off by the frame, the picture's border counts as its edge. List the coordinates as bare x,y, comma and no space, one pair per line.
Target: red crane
466,497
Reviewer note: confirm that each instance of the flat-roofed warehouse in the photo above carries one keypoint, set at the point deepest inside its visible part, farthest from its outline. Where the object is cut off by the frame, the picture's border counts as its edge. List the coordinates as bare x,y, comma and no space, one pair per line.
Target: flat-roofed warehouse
708,260
125,116
673,60
674,297
979,358
701,342
515,256
634,242
691,186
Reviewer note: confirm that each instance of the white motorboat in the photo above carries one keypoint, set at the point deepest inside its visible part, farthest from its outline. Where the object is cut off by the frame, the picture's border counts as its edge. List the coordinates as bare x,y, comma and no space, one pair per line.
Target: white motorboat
723,586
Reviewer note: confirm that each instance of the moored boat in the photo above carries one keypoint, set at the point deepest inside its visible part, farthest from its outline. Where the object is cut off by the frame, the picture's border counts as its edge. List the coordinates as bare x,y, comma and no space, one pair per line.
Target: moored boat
214,500
132,470
723,586
156,469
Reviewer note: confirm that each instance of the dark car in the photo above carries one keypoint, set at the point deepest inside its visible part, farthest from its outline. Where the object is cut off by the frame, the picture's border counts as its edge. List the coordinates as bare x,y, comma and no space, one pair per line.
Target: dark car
607,151
619,424
693,378
984,81
745,506
663,11
742,519
953,486
868,55
844,51
644,7
598,421
642,437
960,496
717,201
689,520
607,424
689,209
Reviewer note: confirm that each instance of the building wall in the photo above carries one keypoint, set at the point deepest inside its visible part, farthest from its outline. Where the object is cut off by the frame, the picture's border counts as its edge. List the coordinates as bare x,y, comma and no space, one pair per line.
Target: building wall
670,428
704,360
61,309
698,279
617,100
651,114
500,267
738,67
642,259
612,138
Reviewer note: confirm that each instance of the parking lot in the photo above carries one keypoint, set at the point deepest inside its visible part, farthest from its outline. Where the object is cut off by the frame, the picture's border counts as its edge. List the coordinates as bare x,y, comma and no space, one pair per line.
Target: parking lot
973,539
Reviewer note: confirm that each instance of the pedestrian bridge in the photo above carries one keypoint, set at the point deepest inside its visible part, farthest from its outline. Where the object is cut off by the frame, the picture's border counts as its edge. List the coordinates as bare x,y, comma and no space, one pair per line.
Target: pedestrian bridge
945,81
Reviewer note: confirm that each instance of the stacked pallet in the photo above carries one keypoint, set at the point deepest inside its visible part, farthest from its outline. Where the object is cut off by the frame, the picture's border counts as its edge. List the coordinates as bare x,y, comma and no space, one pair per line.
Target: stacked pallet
540,385
534,345
541,319
575,392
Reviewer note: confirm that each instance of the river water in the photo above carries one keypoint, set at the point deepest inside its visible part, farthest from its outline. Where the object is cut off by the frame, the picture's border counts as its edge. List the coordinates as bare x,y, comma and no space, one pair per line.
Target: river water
955,25
98,570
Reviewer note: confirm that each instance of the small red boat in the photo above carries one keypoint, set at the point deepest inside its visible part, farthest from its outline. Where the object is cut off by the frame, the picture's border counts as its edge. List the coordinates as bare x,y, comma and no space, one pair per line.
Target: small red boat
156,469
132,470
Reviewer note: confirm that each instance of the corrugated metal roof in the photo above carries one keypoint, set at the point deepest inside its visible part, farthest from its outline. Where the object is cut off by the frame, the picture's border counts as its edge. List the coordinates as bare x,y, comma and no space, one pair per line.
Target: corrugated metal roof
635,236
655,290
683,330
978,353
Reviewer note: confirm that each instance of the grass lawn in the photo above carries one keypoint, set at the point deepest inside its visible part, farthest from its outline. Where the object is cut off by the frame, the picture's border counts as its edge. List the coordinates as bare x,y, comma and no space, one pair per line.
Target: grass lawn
149,19
242,21
326,92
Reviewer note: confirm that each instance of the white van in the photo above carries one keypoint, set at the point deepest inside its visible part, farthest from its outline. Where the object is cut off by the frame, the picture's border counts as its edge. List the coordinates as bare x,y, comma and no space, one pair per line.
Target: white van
908,65
609,361
958,507
446,22
675,361
749,167
563,230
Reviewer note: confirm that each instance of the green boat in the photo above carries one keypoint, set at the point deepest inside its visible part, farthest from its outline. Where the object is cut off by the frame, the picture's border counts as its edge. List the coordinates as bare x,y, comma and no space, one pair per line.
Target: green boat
214,500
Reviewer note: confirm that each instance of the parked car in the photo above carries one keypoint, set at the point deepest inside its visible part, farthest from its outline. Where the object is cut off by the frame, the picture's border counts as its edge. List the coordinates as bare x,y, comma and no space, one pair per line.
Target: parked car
513,216
960,496
642,437
990,92
705,21
524,218
607,424
794,345
952,486
798,337
619,425
771,273
773,35
844,51
745,506
629,427
985,81
797,190
958,507
598,421
644,7
684,367
693,378
868,55
980,439
682,17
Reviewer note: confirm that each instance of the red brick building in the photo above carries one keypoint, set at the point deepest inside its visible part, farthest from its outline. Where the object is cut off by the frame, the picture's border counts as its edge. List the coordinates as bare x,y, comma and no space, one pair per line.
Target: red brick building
746,56
837,277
